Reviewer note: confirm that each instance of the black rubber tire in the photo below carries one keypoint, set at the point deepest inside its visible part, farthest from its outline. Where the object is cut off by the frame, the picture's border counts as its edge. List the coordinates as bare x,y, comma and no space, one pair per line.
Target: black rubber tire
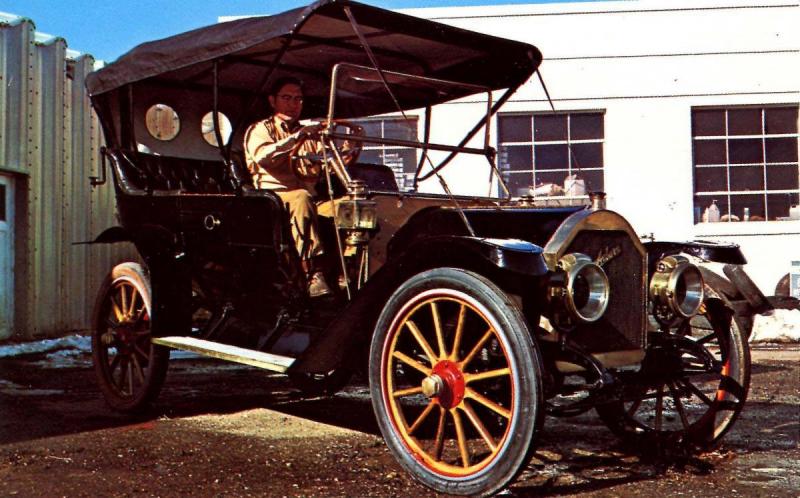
520,388
125,344
701,430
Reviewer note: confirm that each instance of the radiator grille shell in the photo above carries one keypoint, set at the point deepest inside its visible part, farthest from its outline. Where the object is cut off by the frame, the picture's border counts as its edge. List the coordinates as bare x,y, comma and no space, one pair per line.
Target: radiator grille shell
607,238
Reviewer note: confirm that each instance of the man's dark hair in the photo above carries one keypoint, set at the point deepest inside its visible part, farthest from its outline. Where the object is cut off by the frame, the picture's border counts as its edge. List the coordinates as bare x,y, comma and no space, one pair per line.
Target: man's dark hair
282,82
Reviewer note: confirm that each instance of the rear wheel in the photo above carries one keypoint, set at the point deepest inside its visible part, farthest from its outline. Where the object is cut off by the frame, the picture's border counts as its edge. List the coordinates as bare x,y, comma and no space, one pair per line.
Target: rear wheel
456,382
692,386
130,369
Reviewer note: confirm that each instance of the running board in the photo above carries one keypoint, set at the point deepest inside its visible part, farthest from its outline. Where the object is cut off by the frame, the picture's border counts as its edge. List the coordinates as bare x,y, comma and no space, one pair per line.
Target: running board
268,361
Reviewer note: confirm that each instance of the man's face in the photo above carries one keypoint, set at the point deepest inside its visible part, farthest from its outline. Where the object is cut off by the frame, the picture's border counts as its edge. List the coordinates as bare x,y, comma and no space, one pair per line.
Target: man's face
288,102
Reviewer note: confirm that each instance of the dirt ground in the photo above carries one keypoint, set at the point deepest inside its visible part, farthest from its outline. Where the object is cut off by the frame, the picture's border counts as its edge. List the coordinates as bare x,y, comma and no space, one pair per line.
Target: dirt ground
221,430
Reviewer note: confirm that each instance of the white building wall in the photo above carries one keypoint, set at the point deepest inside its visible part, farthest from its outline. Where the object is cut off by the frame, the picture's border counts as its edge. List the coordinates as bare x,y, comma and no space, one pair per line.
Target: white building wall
646,63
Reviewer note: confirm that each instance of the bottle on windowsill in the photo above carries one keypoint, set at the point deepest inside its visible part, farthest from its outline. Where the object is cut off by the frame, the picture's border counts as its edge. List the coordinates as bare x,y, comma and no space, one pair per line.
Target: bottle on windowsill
746,214
713,212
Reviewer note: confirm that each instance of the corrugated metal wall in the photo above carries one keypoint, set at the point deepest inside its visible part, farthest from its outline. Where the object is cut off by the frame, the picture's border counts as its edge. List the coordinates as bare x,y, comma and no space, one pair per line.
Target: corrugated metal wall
50,140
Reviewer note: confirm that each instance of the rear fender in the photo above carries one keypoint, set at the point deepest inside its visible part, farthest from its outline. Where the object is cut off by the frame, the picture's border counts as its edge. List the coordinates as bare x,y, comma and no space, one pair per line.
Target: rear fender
169,272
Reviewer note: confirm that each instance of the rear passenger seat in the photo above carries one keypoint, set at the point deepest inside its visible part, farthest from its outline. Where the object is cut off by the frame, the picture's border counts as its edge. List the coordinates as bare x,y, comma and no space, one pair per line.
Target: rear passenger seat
152,173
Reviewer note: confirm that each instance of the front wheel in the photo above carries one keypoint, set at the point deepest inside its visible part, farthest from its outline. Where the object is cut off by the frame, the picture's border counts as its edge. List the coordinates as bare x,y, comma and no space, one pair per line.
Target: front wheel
456,382
130,369
692,386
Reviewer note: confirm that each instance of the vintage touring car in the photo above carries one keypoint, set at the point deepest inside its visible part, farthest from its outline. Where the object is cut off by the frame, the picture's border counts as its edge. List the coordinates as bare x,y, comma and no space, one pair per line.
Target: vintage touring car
473,317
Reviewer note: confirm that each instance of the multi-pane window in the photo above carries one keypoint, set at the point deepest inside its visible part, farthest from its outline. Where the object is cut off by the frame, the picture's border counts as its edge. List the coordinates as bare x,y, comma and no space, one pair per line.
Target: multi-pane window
402,160
546,149
745,162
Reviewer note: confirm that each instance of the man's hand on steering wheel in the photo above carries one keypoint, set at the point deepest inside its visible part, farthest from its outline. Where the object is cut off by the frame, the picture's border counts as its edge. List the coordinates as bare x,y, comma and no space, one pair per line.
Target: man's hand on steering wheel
310,130
308,170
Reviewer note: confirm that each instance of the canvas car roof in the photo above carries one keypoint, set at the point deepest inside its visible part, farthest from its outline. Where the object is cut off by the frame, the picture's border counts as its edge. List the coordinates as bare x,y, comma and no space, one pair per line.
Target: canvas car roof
319,36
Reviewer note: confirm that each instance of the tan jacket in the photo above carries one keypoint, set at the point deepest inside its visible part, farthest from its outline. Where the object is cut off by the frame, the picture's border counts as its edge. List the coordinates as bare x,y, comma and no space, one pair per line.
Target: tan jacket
267,145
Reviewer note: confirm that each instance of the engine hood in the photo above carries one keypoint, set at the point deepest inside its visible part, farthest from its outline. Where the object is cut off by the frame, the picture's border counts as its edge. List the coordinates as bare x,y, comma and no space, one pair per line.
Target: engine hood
535,225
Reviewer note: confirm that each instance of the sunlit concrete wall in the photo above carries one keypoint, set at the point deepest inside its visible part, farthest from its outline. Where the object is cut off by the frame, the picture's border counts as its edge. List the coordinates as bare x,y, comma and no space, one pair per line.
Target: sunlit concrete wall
49,143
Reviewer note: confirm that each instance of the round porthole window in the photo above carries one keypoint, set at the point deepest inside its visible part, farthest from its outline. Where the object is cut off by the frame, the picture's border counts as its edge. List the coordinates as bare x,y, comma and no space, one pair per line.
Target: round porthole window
207,128
162,122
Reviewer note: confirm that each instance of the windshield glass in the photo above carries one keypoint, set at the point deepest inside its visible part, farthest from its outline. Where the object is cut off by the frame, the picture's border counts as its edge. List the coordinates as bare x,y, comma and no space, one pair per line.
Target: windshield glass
398,140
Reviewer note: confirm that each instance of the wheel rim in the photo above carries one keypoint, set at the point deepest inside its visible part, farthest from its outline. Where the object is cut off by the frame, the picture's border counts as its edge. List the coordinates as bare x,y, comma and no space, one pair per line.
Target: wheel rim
448,383
123,339
699,400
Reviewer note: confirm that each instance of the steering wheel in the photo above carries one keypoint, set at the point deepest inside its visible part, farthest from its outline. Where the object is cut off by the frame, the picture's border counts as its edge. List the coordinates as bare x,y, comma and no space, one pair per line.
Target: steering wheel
307,167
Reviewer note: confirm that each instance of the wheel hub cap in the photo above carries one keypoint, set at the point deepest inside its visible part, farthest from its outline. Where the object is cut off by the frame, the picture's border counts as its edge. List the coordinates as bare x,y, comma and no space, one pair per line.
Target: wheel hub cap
447,383
432,386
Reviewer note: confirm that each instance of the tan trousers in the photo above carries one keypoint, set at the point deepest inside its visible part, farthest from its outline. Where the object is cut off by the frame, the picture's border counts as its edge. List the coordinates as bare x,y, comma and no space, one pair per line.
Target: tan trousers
303,218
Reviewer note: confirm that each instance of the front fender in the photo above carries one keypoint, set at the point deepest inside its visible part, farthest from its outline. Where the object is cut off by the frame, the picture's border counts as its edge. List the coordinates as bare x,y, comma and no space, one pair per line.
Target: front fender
508,262
705,250
514,255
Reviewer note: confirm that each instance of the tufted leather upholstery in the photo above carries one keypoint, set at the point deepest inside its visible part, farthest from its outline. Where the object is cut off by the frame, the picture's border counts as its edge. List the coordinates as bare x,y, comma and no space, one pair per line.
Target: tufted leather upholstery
139,171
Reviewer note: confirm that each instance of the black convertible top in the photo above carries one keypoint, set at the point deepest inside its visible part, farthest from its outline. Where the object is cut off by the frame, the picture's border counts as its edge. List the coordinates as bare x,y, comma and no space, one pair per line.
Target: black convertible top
307,42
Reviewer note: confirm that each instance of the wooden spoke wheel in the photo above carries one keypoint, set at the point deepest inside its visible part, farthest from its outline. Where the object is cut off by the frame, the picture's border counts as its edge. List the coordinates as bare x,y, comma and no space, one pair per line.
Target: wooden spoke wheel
456,382
692,386
129,368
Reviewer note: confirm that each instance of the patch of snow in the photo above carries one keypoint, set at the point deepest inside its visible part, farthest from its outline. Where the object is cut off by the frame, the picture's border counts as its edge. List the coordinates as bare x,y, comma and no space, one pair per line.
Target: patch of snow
76,342
68,349
776,326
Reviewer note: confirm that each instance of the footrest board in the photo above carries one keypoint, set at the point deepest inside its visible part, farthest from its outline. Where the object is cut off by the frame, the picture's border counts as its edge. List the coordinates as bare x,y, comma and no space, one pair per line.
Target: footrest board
268,361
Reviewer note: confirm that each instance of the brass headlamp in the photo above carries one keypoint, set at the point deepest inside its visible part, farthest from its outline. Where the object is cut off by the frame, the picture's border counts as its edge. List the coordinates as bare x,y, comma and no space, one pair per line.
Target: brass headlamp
579,292
676,289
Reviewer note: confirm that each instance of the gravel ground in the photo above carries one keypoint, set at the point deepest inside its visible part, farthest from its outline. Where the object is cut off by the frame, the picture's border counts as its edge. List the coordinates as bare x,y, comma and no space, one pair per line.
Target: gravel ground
224,430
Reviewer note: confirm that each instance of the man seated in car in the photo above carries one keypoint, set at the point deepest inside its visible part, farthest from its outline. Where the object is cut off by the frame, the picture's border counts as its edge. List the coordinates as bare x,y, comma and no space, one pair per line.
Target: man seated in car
267,146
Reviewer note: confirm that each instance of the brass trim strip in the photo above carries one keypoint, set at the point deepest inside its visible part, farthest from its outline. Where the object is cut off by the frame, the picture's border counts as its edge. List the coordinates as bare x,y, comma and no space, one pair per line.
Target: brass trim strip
602,220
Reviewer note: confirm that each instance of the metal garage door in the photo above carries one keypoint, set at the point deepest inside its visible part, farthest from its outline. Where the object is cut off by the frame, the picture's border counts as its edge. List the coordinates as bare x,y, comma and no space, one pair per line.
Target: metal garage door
6,255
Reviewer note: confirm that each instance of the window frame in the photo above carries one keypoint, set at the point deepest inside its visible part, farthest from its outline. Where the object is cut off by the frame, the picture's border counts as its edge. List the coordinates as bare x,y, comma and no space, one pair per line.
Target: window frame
569,142
701,198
